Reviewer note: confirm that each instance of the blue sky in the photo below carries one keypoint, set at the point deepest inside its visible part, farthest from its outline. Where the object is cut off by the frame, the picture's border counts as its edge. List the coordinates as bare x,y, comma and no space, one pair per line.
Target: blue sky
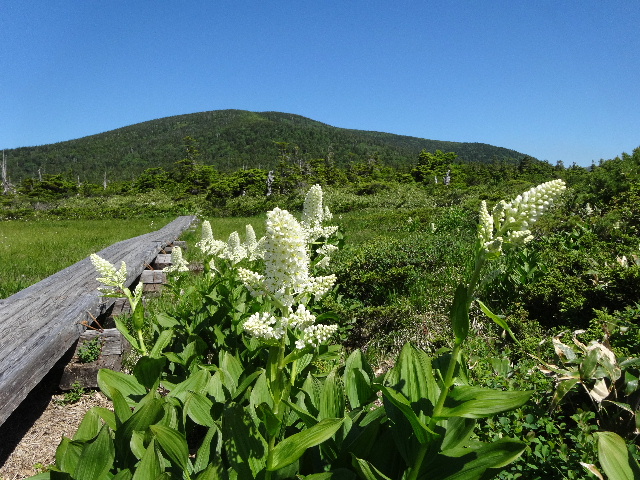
558,80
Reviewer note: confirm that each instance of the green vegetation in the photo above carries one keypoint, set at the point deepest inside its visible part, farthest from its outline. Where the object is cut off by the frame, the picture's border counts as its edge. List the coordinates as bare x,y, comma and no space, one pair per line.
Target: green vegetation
227,140
33,250
90,351
553,323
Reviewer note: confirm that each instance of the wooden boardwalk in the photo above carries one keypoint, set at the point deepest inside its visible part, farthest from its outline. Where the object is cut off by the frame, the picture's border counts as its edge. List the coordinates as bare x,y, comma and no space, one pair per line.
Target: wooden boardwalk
39,324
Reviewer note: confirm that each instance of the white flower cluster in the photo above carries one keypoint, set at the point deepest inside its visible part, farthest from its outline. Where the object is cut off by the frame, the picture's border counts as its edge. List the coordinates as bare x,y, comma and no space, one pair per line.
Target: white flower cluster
208,244
115,280
110,276
233,250
263,325
286,279
509,222
314,214
286,263
315,335
254,247
269,327
178,264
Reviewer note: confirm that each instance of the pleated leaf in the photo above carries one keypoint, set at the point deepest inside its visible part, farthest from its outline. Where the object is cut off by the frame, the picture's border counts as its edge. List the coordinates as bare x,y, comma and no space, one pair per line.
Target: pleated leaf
174,444
96,458
291,448
478,402
614,457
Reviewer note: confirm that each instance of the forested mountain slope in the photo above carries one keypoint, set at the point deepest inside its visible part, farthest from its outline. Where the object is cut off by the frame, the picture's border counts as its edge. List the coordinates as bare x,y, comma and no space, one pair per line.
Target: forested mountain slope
228,140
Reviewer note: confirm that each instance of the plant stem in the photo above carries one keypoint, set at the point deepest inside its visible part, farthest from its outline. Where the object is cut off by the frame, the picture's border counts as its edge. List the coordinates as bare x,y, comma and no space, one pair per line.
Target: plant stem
447,384
451,368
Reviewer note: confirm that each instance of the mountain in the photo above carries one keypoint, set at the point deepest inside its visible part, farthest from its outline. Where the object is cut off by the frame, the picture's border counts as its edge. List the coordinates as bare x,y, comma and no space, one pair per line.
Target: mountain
228,140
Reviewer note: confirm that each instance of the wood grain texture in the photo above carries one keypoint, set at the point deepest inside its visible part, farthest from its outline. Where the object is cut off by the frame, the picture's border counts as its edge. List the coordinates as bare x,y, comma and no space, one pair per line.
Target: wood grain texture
40,323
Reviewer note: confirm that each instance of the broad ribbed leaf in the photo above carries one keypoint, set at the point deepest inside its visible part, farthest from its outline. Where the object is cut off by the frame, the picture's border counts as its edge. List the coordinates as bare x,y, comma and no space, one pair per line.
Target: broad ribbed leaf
472,464
122,410
148,371
198,408
96,458
89,427
149,467
478,402
459,429
122,328
331,397
164,339
357,380
423,434
123,475
127,384
614,457
196,382
67,454
174,444
564,387
204,452
497,320
413,377
368,471
245,447
291,448
460,314
107,415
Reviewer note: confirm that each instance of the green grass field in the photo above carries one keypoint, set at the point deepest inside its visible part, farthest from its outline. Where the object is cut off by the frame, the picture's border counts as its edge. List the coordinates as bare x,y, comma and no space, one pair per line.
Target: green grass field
33,250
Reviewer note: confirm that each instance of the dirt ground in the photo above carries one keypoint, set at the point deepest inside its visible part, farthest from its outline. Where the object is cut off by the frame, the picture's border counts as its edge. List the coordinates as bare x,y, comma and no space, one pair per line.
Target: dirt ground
30,436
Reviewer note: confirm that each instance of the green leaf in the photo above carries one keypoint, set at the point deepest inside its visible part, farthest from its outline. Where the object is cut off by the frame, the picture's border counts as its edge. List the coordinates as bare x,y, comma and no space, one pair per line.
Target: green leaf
198,408
614,457
123,475
368,471
331,397
96,458
149,467
478,402
357,380
122,328
174,444
245,384
196,382
460,314
472,463
291,448
459,429
67,454
122,411
149,370
138,317
128,385
107,415
204,451
422,432
164,339
497,320
89,427
413,377
245,447
564,387
167,321
269,420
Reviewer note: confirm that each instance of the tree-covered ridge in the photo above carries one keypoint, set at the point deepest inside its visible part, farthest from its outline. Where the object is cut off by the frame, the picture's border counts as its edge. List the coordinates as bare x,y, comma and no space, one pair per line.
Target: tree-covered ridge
229,140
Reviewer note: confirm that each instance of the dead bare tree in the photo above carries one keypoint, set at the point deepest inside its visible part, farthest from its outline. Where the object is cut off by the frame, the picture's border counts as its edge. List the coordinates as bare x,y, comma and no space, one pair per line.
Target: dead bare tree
7,187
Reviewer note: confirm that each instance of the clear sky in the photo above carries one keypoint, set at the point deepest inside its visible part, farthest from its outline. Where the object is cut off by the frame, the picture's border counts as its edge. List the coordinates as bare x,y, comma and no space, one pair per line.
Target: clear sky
558,80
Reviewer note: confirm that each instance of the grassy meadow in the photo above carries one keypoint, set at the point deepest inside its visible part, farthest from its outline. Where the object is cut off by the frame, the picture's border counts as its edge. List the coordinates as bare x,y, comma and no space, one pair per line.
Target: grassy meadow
34,249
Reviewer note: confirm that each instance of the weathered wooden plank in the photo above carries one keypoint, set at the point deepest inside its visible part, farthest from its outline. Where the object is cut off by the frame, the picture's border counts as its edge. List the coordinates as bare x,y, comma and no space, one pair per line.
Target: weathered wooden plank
40,323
